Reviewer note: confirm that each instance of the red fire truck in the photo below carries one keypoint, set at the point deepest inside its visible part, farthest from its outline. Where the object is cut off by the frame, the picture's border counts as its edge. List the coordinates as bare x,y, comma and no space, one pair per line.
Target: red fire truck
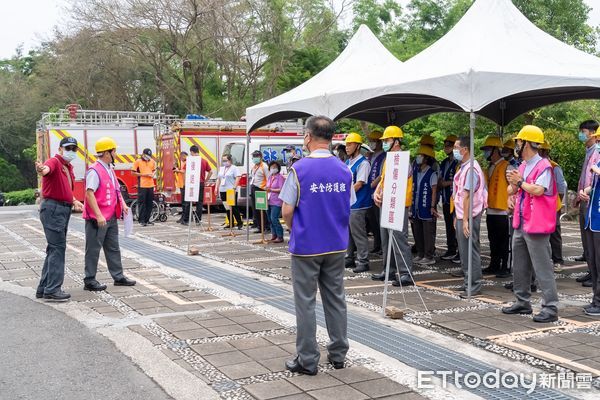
166,135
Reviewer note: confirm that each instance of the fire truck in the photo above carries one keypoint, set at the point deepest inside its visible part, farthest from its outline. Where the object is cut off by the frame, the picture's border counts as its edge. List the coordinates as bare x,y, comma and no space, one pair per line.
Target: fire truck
166,135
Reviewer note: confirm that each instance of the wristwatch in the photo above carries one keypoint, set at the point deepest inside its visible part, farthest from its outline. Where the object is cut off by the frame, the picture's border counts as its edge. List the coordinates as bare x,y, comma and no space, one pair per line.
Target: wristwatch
519,184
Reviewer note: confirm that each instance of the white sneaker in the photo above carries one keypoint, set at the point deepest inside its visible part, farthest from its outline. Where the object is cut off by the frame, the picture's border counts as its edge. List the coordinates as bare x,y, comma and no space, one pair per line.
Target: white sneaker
426,261
417,259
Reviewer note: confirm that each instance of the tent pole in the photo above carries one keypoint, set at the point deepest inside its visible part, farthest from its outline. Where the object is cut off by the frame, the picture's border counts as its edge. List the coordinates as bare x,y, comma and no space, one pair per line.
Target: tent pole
472,123
247,186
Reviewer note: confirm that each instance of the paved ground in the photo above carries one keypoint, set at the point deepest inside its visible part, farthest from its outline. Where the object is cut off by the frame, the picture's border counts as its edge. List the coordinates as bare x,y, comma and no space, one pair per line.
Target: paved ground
237,347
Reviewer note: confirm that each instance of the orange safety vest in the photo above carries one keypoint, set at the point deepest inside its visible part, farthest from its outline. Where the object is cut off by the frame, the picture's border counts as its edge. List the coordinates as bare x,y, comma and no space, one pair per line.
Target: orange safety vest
498,187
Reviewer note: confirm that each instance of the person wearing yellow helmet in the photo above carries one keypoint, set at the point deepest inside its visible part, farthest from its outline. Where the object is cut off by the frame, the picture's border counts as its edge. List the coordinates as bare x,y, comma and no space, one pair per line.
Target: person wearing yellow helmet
357,255
423,212
446,177
497,213
508,153
373,215
102,207
534,219
145,168
401,261
587,135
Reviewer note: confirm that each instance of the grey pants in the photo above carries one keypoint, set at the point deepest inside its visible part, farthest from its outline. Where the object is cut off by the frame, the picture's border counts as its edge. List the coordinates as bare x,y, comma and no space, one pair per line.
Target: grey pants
425,237
556,242
106,238
401,252
55,220
594,264
463,248
359,241
327,273
532,254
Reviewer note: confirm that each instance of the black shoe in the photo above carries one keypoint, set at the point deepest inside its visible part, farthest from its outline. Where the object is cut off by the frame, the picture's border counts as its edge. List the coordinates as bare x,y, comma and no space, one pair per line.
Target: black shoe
490,271
349,263
458,274
336,364
460,289
545,316
240,227
584,278
592,311
143,224
456,259
294,366
580,258
591,305
587,283
449,255
465,294
39,295
94,286
404,281
413,249
125,282
361,268
533,288
503,273
59,295
375,250
508,286
381,277
516,308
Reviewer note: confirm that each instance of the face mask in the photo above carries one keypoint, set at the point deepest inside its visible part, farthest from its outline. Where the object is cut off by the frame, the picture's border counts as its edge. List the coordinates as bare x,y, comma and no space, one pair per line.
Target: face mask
386,146
457,155
274,171
69,155
256,160
519,150
419,159
487,154
582,137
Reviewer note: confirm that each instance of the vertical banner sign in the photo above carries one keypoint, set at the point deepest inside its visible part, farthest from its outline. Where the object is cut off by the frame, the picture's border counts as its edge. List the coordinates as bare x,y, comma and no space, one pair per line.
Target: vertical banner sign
193,170
394,190
261,200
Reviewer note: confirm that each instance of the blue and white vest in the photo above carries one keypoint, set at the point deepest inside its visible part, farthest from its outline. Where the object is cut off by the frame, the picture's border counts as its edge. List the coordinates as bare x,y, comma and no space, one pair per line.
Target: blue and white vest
364,196
422,196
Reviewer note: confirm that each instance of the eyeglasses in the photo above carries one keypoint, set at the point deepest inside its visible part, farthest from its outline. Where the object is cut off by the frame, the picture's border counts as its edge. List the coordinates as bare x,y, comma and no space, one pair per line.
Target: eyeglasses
70,148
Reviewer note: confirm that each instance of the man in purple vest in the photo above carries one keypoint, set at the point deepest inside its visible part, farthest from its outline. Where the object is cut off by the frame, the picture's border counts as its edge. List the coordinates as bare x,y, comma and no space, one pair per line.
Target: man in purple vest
103,205
316,207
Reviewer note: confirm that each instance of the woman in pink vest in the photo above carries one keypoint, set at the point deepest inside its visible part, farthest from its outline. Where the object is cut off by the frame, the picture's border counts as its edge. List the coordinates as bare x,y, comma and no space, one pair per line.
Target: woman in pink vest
103,205
533,221
274,184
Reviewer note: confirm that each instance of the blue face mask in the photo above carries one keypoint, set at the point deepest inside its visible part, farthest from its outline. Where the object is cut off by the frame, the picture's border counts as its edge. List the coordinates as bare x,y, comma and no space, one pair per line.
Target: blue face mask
457,155
582,137
386,146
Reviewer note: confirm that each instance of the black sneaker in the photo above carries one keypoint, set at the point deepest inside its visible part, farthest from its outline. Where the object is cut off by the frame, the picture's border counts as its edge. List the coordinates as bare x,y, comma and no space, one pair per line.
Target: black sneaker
584,278
448,256
57,296
593,311
456,259
39,295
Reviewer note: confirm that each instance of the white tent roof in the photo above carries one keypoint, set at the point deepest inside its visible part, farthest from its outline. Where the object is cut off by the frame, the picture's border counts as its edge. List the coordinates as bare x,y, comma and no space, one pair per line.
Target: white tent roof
494,62
364,55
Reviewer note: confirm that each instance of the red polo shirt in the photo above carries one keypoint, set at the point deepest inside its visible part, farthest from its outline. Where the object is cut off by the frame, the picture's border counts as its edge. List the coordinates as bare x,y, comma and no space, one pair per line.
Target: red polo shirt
55,185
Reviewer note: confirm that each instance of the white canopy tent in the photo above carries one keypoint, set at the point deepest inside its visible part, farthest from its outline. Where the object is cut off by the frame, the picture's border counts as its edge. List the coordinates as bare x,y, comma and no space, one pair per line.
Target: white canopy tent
494,62
364,55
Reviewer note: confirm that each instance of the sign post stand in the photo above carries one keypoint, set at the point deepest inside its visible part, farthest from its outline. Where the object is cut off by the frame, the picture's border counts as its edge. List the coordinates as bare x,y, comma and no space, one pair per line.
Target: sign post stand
262,206
192,188
230,202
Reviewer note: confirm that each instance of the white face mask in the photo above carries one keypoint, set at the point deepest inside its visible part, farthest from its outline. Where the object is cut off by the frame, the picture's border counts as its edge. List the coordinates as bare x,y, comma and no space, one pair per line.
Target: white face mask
274,171
69,155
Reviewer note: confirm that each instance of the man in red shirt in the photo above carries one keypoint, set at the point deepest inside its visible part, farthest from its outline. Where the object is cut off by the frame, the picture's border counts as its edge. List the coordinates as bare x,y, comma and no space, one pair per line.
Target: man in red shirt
55,212
205,173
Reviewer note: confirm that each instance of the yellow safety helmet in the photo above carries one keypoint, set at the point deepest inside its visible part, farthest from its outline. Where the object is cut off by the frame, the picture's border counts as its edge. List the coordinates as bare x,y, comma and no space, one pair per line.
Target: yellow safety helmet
531,133
105,143
354,137
451,138
492,141
392,132
546,145
426,151
375,135
510,144
427,140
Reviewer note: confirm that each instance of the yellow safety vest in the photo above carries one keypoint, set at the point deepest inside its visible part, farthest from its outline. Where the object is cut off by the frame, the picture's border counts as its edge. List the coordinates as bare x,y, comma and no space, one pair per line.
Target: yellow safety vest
498,187
409,186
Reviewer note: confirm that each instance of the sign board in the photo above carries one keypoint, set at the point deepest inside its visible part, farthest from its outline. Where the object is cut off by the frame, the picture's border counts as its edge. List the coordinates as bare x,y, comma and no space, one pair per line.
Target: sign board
261,200
193,169
230,197
209,196
394,190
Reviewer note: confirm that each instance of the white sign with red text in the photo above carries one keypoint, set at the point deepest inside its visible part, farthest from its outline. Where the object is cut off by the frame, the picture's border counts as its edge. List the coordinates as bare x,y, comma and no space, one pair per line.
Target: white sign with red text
193,169
394,190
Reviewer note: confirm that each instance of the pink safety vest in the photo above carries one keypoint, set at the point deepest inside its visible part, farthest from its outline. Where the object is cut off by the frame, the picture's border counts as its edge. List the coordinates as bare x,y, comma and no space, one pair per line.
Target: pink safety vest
539,212
480,195
107,195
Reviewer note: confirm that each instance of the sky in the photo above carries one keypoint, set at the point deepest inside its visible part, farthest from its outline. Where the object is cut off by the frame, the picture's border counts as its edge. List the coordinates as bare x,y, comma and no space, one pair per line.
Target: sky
27,23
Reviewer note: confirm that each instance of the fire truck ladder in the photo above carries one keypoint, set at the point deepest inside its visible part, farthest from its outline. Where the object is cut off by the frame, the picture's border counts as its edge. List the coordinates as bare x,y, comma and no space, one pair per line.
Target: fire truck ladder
102,117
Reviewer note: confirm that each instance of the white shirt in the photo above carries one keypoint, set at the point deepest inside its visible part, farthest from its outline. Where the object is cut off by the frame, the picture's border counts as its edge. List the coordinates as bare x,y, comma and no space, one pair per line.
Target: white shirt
364,169
227,177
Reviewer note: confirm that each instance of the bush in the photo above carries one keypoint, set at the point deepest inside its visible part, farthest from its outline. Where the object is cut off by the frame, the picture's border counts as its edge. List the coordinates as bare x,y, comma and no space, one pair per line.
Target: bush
10,177
26,196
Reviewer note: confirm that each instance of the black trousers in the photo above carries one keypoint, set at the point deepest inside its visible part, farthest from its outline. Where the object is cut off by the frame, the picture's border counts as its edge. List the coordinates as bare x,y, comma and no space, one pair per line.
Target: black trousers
145,199
556,242
498,235
234,209
374,224
185,214
256,213
451,242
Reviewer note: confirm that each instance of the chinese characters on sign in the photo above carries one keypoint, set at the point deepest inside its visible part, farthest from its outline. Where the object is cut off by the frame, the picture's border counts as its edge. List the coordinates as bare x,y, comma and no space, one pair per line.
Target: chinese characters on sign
192,178
394,190
328,187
